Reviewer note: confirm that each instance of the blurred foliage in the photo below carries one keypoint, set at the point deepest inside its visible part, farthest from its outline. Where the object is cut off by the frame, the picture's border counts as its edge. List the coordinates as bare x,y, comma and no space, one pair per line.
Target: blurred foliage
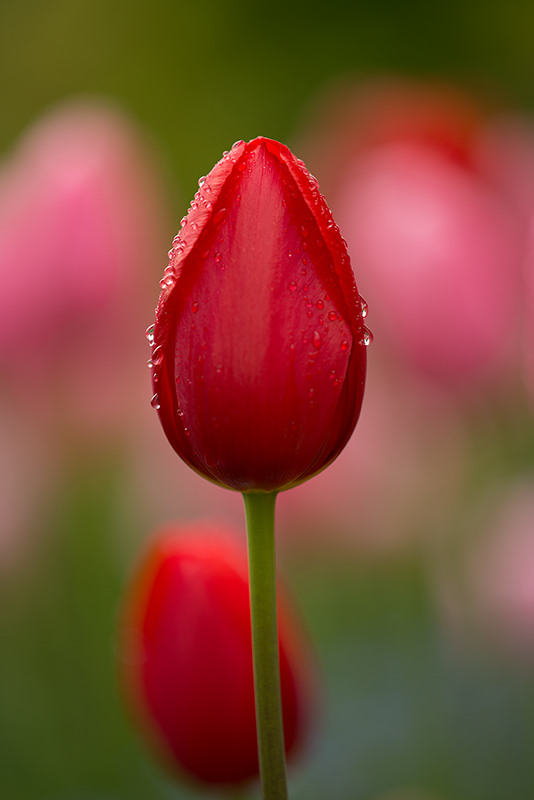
202,75
401,709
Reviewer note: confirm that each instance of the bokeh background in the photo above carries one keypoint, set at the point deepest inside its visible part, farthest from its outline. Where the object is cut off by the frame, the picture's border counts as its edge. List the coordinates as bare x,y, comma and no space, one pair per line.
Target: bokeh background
412,558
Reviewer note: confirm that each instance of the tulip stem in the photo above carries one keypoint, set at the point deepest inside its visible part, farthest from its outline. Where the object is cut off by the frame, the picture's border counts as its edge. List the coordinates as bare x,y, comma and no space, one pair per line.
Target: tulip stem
262,574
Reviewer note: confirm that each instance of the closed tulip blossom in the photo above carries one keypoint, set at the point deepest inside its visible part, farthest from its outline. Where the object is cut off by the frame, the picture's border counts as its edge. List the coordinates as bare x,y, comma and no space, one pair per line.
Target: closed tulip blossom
259,342
186,657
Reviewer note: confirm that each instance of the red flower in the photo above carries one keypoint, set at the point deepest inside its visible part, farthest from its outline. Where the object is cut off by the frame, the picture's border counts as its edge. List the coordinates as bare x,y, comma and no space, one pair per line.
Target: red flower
187,656
259,343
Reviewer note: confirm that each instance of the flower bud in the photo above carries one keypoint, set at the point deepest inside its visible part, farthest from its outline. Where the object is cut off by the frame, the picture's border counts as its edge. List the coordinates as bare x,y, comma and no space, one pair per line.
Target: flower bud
258,350
186,657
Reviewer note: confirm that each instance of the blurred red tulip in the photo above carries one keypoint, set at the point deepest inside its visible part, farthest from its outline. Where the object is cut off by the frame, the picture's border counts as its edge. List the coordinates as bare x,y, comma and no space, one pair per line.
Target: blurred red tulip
433,226
186,656
259,343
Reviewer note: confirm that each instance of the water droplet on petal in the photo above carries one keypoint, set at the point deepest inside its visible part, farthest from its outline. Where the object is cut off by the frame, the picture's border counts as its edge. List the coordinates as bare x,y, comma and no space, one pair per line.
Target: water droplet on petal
332,316
202,180
155,402
218,216
316,339
367,337
292,286
194,307
237,144
320,305
150,334
364,307
344,345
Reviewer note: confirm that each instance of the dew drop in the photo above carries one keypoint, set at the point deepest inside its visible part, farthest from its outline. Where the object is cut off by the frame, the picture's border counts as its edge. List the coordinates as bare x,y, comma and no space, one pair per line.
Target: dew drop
237,144
194,307
320,305
364,307
217,258
155,402
150,334
183,222
202,181
344,345
218,216
332,316
304,230
292,286
367,337
316,339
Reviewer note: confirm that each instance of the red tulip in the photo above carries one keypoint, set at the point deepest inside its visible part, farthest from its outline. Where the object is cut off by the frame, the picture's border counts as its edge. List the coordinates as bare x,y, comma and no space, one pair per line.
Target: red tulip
259,343
187,656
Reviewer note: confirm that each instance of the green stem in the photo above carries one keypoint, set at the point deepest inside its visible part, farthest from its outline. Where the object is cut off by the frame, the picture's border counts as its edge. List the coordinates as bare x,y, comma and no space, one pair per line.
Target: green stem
262,573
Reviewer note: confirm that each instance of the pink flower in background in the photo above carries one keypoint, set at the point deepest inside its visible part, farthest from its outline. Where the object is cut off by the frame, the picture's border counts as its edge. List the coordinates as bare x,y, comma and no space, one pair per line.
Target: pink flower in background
424,192
82,217
80,227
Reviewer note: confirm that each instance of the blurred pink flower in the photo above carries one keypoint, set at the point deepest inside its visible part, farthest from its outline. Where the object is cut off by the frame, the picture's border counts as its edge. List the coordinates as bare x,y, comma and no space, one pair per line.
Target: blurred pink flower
81,222
427,192
83,213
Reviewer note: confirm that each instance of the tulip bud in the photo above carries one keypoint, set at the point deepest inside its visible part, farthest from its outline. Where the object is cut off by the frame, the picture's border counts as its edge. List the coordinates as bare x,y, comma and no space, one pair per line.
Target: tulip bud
186,657
258,349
